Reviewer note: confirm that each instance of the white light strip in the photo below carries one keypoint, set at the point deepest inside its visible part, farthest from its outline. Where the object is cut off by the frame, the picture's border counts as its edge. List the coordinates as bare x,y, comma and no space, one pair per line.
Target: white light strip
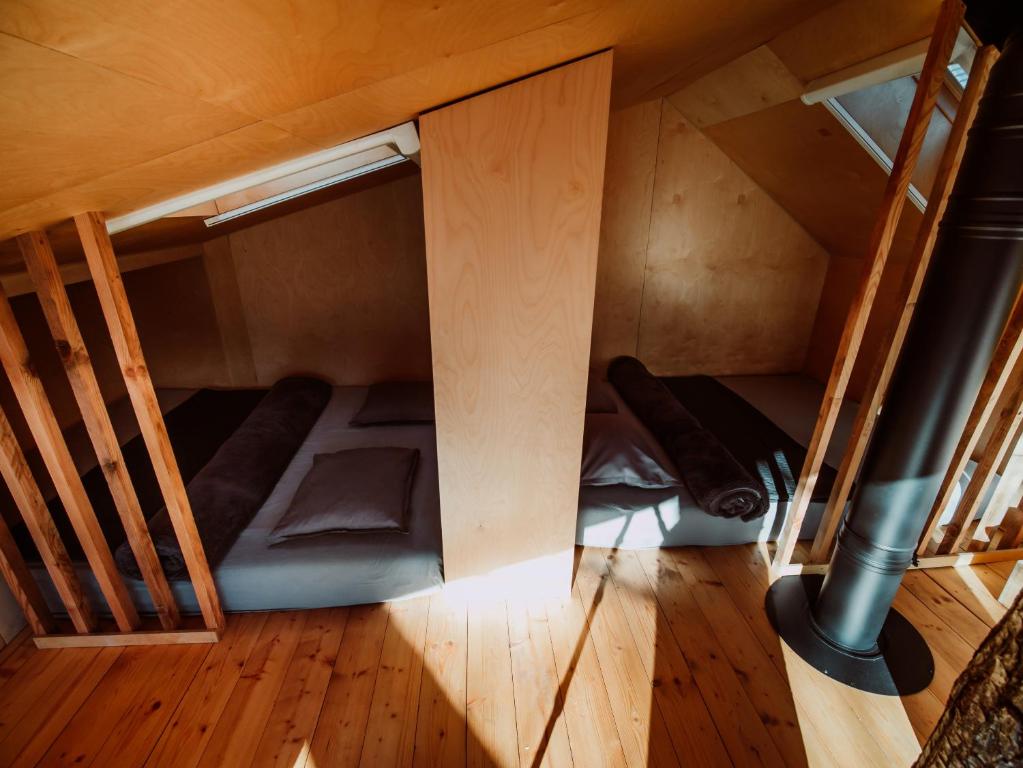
863,138
403,138
305,189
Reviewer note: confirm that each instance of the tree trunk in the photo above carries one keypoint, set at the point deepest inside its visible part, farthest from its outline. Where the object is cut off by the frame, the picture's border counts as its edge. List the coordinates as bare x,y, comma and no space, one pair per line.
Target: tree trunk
983,722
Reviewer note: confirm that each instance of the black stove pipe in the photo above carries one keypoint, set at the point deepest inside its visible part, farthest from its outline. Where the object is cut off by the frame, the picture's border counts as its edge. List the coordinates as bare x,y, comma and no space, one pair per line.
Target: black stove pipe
975,274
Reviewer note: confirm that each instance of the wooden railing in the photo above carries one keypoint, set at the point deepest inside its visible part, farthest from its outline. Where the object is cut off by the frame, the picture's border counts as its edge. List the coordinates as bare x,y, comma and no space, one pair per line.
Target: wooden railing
999,404
14,356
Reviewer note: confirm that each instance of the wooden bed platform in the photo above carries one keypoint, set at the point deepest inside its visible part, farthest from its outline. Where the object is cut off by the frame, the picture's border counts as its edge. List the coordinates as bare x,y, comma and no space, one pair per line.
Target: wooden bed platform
660,658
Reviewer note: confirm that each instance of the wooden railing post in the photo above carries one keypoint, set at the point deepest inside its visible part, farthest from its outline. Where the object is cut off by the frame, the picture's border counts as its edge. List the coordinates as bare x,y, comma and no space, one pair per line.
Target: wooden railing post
50,441
99,254
931,80
42,267
916,268
23,586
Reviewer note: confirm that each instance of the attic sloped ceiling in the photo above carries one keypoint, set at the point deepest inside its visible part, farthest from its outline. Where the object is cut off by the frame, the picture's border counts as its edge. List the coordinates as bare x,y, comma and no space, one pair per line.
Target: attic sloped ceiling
113,106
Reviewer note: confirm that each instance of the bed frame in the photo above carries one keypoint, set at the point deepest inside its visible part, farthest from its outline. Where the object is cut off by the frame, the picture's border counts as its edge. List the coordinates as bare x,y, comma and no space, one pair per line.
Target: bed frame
28,389
998,406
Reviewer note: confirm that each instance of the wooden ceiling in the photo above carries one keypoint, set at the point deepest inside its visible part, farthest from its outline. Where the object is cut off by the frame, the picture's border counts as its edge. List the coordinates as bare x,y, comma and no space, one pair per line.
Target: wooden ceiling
112,106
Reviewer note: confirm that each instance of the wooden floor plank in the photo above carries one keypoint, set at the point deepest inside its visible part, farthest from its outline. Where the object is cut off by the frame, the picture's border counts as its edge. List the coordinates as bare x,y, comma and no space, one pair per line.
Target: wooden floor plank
641,725
287,736
961,619
490,696
441,723
967,587
185,738
131,693
767,689
237,732
391,728
747,740
592,732
341,728
539,715
33,734
744,574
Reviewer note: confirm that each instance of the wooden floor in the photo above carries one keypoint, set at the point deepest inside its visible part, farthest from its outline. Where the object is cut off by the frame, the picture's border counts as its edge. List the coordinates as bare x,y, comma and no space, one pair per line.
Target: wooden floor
660,658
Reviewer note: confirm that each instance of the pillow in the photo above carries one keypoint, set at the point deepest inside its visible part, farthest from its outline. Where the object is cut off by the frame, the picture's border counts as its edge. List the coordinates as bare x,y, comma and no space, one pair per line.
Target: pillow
396,402
617,451
363,490
599,398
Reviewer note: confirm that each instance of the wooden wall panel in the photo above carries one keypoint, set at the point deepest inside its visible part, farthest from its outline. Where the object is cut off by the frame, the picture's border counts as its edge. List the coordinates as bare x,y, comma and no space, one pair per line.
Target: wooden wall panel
732,281
512,186
700,271
339,289
624,230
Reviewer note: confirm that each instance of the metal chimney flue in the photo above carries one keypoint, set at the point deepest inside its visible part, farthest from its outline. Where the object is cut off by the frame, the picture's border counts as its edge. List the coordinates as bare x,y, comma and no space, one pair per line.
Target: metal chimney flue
849,629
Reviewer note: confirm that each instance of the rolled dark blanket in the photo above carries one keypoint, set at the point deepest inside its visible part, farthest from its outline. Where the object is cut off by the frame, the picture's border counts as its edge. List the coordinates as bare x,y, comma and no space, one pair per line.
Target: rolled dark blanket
230,489
719,484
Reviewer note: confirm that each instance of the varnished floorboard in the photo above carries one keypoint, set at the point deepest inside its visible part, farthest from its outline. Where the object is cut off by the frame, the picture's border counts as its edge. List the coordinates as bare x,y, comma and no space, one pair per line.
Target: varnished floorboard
657,658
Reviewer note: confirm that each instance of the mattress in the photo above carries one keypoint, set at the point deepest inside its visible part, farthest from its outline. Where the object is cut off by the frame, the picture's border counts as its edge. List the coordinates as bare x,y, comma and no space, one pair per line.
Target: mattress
344,569
638,518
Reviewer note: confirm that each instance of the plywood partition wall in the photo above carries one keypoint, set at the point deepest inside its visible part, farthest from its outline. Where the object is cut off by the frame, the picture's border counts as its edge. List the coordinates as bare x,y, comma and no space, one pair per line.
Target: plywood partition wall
512,185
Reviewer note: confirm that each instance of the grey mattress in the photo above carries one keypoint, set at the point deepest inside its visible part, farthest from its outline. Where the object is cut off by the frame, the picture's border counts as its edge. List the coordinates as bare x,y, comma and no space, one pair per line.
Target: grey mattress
637,518
344,569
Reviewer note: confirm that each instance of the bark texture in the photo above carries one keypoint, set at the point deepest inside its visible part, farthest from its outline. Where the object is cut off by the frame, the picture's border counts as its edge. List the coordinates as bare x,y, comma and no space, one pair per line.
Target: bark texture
983,722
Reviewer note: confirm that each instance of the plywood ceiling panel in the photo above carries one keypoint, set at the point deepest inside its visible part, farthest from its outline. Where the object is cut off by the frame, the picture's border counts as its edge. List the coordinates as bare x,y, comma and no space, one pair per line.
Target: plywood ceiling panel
107,106
815,169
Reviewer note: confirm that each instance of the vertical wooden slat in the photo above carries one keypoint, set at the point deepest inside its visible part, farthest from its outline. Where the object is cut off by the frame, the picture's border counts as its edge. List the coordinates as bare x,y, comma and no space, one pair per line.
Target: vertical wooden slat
1009,416
42,267
1007,490
46,431
870,404
931,80
1005,360
23,586
99,253
30,503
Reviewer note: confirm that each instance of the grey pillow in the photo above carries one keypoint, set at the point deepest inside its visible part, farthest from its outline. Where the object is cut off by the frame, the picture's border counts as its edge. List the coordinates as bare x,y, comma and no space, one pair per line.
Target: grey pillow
618,451
363,490
396,402
599,398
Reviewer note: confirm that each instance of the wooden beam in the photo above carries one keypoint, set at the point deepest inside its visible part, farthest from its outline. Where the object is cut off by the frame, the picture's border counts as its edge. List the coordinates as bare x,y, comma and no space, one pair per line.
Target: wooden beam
46,431
32,506
42,266
114,639
1009,416
931,81
99,253
22,585
916,268
1004,362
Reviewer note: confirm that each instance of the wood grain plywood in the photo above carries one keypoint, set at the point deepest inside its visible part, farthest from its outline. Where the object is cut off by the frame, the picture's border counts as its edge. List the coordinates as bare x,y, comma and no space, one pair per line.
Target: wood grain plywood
339,289
851,31
177,78
624,229
752,82
732,281
65,121
809,164
512,185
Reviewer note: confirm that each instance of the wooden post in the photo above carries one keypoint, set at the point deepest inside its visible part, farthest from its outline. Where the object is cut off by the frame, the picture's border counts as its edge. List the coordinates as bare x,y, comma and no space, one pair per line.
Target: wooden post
881,375
32,506
50,441
1005,360
931,80
23,586
99,253
42,266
